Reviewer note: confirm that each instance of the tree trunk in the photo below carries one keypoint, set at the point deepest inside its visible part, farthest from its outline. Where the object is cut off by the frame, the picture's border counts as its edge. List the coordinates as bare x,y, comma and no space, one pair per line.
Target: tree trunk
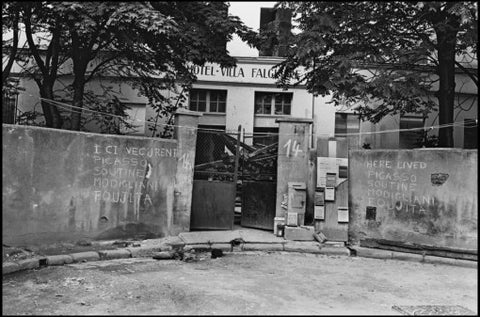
53,119
78,91
446,39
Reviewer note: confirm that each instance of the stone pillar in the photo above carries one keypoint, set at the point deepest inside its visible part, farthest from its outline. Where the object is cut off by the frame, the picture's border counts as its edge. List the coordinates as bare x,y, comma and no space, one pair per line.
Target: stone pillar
186,123
293,157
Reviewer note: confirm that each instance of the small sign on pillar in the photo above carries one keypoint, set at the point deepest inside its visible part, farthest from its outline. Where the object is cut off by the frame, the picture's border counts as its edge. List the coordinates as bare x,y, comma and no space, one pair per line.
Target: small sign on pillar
330,194
292,219
342,214
319,213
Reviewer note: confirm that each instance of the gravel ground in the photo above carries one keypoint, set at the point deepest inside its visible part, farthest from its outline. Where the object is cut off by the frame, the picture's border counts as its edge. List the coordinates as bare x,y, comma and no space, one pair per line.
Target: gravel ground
249,283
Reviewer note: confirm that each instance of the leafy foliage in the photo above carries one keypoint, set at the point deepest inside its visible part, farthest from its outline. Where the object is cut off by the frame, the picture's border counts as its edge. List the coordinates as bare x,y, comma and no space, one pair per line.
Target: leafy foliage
382,57
149,45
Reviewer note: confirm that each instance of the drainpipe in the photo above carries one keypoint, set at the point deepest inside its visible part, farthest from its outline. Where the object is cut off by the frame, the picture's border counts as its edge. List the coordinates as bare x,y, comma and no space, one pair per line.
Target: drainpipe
313,122
314,143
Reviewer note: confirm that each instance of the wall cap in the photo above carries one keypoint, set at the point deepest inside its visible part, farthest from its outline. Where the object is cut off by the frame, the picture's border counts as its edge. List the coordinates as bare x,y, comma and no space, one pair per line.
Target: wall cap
12,127
443,149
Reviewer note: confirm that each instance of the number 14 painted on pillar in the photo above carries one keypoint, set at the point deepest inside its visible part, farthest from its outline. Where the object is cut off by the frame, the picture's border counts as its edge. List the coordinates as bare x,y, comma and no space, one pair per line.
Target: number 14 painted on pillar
295,148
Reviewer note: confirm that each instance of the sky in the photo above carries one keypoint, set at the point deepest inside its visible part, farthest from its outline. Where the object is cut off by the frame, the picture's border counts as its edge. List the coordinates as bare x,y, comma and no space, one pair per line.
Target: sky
249,13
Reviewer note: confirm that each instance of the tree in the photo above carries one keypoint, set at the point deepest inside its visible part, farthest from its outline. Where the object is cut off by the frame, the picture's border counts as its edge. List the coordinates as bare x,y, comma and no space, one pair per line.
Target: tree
149,45
384,57
10,19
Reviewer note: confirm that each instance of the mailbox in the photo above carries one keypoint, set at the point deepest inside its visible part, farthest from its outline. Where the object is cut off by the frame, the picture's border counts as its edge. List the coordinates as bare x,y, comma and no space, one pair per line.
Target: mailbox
297,200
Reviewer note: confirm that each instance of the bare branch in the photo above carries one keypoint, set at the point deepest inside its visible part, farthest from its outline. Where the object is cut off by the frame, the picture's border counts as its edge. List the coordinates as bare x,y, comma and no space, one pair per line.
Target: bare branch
99,66
13,52
469,73
31,44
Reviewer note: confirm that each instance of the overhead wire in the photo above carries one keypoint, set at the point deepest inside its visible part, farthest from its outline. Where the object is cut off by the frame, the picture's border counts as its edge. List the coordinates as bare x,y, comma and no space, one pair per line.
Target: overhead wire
76,109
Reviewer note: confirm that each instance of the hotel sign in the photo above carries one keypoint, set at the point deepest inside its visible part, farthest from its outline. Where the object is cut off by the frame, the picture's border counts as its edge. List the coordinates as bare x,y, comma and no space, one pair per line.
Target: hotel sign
247,73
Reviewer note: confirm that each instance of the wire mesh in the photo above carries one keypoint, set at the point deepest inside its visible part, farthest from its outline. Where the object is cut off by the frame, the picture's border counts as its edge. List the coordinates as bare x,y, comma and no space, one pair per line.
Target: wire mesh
215,155
216,151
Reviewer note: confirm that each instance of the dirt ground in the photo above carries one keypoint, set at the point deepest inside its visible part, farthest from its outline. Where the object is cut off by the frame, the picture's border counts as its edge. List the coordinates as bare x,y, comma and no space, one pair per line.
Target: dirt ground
249,283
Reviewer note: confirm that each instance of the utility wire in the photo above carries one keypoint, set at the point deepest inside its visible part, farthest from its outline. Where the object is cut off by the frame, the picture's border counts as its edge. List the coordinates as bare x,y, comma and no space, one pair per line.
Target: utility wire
80,110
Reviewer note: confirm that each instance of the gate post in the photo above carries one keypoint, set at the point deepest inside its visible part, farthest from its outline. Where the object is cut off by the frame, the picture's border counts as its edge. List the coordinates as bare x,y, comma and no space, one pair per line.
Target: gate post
185,132
293,158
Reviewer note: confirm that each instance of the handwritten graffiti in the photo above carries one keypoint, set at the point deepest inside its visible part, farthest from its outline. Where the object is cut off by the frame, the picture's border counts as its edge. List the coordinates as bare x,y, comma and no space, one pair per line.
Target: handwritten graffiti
186,159
292,148
393,185
124,174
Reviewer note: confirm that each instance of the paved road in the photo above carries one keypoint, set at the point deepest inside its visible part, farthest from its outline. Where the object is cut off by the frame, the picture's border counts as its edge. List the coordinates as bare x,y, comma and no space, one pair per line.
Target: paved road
239,283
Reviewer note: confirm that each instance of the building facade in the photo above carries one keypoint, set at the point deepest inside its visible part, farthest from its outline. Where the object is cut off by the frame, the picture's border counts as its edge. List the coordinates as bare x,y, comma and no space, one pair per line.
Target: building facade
247,96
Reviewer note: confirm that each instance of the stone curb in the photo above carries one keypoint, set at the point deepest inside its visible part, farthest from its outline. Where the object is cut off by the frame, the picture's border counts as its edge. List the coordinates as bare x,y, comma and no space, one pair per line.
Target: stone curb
143,252
33,263
59,259
413,257
114,254
342,251
303,247
85,256
201,247
263,247
10,267
222,246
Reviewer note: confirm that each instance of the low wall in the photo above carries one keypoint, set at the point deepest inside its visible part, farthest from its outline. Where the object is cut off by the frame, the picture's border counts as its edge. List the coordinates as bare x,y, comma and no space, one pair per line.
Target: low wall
61,186
423,196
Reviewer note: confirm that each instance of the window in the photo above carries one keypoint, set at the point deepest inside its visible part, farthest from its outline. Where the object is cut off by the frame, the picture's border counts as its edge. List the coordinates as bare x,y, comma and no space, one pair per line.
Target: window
410,139
9,108
470,134
218,100
273,103
204,100
345,124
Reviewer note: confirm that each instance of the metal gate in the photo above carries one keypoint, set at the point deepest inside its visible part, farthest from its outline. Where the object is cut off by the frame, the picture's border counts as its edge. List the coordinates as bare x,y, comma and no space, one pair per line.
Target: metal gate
258,167
215,180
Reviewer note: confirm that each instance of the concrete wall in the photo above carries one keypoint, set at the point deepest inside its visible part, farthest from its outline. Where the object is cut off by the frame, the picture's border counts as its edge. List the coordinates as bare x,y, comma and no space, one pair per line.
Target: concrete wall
63,186
426,196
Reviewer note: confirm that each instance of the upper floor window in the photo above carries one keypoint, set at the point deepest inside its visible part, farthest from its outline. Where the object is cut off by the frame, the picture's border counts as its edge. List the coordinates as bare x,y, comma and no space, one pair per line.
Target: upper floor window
205,100
410,133
346,123
273,103
9,108
470,134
